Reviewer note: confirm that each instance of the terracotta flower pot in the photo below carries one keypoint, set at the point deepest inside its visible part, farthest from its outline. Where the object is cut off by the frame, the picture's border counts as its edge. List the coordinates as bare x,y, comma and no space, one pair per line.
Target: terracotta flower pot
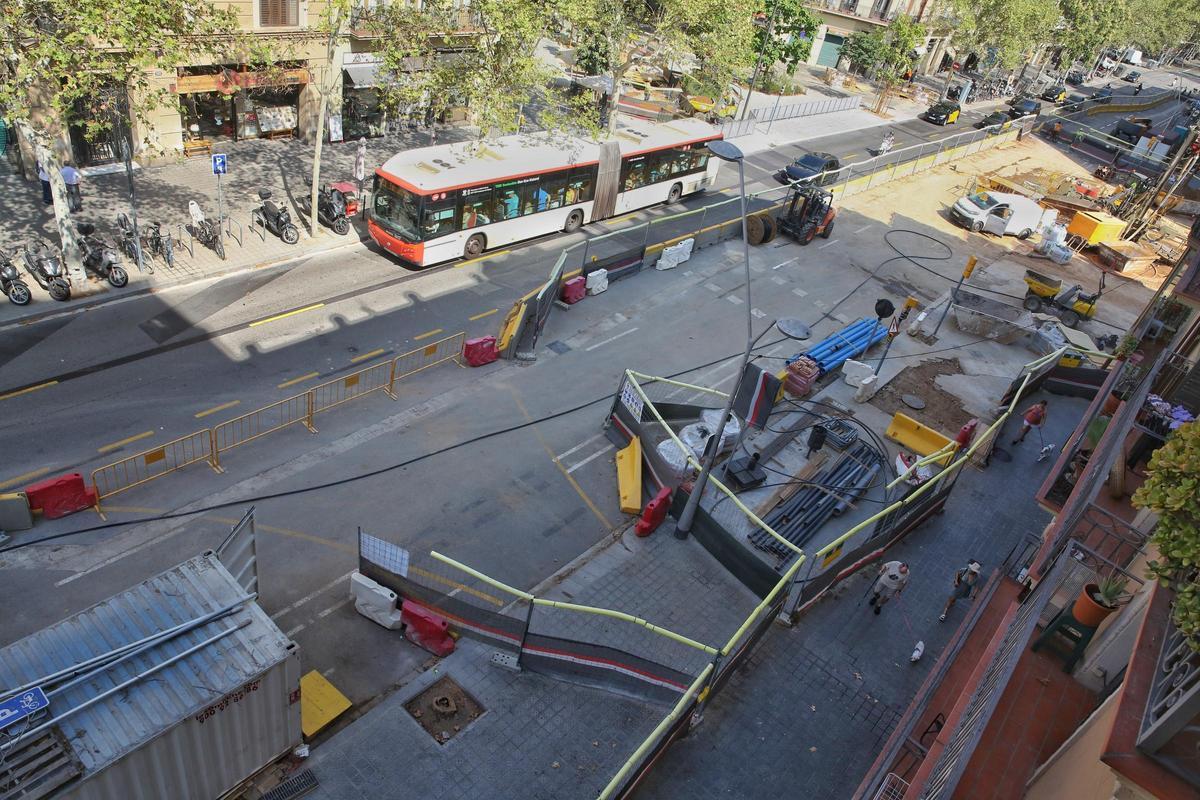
1086,610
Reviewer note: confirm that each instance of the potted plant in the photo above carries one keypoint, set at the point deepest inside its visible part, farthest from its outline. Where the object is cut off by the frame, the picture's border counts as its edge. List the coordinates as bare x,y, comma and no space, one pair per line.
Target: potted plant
1098,600
1127,346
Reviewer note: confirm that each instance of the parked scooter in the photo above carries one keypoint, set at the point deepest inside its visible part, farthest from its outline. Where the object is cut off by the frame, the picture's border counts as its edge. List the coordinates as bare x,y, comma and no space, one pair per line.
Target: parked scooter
11,284
331,209
207,232
46,268
99,257
275,218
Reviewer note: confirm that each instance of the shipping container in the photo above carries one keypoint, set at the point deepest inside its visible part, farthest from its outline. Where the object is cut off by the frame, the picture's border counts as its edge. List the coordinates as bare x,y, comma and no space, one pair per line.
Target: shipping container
188,718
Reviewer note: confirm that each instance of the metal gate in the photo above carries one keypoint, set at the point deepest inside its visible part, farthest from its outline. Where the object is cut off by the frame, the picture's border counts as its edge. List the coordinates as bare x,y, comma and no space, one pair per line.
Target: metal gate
831,50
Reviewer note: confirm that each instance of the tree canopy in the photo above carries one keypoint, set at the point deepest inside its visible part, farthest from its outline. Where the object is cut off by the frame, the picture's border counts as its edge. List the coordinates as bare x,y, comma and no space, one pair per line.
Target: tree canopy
792,32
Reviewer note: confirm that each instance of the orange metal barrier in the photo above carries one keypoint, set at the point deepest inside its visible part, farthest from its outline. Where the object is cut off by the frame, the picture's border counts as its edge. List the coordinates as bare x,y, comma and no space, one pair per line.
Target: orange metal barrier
150,464
208,444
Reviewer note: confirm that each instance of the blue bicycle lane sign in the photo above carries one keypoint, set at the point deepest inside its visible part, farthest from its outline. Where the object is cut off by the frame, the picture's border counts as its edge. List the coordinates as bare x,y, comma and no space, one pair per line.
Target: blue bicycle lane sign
17,708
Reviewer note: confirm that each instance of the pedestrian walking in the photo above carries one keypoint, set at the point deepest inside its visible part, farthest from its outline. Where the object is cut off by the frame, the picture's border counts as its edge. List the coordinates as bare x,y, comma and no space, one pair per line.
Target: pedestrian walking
893,577
1137,90
965,581
44,177
1034,417
71,178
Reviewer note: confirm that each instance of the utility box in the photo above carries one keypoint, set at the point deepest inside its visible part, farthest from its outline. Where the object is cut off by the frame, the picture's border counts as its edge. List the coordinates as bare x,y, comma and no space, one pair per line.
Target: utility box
1095,227
147,727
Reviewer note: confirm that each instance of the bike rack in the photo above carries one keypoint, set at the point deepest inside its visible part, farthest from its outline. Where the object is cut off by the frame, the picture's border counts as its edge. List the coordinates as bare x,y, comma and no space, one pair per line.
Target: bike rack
258,225
229,221
190,244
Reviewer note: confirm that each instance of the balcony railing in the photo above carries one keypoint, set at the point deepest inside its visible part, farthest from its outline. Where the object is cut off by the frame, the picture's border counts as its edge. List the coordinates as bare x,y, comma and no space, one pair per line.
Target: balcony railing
1170,732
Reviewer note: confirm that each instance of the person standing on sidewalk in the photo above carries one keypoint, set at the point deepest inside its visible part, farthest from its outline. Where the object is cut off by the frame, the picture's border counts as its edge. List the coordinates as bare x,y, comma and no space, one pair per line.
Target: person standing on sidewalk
71,178
893,577
44,177
965,581
1034,417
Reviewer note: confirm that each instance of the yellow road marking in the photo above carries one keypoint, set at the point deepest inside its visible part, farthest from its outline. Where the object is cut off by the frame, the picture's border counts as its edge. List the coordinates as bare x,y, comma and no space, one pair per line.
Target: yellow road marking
484,314
215,409
123,442
365,356
482,258
427,334
308,537
574,484
313,307
27,390
28,476
301,379
622,219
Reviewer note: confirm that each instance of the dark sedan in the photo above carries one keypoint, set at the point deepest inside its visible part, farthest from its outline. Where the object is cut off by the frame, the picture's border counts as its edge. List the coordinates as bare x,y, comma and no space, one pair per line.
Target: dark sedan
1024,107
1133,76
1103,95
809,165
995,118
944,113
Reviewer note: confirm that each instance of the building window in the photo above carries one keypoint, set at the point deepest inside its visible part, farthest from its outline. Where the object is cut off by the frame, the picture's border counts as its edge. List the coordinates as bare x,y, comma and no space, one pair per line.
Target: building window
278,13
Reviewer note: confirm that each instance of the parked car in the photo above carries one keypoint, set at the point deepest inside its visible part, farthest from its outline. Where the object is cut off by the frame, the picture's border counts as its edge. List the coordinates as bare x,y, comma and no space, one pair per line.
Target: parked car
1076,77
1103,94
809,165
1001,213
1055,94
945,112
995,118
1133,76
1024,107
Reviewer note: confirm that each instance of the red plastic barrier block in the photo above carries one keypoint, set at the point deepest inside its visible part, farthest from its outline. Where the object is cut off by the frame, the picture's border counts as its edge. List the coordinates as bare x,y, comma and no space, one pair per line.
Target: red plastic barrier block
480,351
59,496
574,290
654,513
425,629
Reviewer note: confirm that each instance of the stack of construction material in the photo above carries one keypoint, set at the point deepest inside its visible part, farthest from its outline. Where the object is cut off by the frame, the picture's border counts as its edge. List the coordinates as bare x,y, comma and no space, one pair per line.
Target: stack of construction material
840,433
801,375
850,342
832,491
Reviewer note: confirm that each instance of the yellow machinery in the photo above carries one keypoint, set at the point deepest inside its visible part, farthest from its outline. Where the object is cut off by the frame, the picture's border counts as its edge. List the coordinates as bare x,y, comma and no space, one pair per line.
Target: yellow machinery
1070,305
1094,227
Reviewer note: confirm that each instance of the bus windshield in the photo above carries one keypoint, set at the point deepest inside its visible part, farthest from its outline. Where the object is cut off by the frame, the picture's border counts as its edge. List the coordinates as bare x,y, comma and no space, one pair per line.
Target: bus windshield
396,209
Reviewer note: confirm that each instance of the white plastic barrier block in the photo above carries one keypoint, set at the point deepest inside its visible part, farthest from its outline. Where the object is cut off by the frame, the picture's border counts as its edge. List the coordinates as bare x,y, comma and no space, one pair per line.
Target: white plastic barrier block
597,281
866,389
855,372
376,603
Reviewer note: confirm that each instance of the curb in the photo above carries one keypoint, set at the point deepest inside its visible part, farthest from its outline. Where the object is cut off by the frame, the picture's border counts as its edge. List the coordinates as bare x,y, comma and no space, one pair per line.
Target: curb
105,298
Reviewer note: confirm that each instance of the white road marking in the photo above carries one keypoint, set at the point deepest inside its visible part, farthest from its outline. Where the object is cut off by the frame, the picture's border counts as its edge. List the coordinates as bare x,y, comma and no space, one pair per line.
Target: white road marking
333,608
591,458
294,630
609,339
309,597
863,228
733,298
829,244
757,313
799,293
578,447
785,263
712,287
778,280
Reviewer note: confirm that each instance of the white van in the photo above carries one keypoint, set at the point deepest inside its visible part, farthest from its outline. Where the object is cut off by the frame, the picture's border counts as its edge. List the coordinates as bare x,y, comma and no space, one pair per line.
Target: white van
1002,214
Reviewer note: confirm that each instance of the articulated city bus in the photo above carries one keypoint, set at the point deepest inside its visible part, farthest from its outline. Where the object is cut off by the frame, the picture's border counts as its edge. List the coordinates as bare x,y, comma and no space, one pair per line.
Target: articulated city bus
439,203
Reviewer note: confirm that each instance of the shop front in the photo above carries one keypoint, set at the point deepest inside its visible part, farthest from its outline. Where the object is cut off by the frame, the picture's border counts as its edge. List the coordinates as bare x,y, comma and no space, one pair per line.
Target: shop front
362,111
232,103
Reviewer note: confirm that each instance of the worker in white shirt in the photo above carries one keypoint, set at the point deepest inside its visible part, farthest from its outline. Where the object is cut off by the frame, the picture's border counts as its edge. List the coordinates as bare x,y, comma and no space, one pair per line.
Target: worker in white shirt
893,577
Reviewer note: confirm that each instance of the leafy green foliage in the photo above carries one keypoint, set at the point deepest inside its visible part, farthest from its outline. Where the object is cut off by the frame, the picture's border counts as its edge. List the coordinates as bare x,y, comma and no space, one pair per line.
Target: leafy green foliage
886,54
1172,490
1091,25
1009,29
791,36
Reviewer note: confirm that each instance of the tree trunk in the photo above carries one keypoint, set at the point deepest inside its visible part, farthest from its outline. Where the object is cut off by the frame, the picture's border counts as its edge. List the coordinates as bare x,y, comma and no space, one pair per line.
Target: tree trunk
325,87
45,155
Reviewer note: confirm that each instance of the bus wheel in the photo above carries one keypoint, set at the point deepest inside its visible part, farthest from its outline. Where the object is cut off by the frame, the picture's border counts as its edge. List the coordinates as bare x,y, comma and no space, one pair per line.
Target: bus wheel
475,246
574,221
674,195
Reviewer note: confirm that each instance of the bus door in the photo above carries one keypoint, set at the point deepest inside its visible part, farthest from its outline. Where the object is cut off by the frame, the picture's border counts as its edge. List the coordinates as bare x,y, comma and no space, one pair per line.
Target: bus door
607,181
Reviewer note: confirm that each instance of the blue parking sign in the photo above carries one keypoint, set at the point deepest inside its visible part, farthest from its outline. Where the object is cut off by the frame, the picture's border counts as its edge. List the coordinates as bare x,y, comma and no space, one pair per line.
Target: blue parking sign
20,706
219,163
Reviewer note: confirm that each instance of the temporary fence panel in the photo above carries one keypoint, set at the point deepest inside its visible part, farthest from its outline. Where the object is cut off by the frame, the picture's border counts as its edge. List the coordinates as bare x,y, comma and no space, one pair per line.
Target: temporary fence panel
295,410
812,108
154,463
738,127
429,355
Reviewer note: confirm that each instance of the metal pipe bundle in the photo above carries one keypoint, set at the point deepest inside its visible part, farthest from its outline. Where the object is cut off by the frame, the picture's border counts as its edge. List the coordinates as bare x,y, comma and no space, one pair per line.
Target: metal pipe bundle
798,518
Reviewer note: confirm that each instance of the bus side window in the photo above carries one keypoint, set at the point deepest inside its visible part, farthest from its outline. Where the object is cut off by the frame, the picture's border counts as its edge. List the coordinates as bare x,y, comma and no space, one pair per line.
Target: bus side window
681,162
550,191
508,203
580,186
660,166
635,176
699,156
438,219
477,210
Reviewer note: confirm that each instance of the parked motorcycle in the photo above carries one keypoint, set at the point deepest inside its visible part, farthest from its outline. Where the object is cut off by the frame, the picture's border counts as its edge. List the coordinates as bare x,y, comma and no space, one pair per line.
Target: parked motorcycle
46,268
100,258
331,210
207,232
275,218
128,239
10,282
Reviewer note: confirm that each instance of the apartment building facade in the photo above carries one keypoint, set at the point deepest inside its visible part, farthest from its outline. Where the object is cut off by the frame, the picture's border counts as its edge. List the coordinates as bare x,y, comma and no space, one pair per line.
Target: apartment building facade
842,18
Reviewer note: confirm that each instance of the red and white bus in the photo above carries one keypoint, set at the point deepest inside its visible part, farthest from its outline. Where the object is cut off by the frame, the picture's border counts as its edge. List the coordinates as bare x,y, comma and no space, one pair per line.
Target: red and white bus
435,204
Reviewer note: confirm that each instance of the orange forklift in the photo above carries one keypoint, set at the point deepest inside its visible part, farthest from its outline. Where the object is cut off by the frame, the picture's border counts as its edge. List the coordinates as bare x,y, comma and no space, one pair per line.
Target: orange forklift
807,213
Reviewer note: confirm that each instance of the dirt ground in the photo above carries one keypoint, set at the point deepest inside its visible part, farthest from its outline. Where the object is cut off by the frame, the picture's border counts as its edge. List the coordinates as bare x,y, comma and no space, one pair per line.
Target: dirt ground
943,410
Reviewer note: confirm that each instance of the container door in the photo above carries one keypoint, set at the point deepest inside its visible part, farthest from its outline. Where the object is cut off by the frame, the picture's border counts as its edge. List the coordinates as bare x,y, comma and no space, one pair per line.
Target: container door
238,553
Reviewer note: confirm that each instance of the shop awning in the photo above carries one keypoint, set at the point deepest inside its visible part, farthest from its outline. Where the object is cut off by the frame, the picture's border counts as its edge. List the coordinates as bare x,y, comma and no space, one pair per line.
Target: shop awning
362,75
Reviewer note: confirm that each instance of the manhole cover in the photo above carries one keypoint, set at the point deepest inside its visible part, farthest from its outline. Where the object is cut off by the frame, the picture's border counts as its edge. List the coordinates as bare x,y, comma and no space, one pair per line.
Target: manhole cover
912,401
559,347
444,710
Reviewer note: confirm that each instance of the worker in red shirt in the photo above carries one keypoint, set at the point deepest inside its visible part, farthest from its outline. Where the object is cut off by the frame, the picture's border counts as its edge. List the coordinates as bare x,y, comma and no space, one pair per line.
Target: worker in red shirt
1034,417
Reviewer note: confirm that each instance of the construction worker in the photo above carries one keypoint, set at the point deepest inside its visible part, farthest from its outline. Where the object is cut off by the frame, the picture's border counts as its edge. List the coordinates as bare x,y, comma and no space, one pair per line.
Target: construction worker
893,577
1057,131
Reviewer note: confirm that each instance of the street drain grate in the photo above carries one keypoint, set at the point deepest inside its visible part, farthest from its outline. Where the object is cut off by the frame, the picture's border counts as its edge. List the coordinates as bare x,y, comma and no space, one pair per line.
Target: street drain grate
444,710
296,786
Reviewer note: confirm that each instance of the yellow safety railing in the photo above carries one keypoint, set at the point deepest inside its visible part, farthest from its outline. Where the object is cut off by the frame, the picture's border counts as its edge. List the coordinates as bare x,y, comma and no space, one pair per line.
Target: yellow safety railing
208,444
147,465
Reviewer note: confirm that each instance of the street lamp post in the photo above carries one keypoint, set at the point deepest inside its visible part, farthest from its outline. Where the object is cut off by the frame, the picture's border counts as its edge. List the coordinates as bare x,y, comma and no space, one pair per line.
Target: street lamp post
726,151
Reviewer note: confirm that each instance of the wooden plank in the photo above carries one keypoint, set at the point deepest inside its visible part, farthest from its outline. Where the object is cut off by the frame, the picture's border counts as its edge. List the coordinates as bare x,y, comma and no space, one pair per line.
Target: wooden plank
785,491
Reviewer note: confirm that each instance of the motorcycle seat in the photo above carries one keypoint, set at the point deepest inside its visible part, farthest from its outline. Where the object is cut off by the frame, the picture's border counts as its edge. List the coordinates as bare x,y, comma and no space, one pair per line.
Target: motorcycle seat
270,208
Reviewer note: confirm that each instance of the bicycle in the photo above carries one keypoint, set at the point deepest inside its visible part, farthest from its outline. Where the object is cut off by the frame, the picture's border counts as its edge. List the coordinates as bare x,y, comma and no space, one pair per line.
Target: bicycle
128,240
160,246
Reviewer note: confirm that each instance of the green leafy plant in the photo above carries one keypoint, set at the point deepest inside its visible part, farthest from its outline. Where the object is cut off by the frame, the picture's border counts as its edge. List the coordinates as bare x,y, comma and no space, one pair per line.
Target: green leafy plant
1110,591
1172,490
1128,344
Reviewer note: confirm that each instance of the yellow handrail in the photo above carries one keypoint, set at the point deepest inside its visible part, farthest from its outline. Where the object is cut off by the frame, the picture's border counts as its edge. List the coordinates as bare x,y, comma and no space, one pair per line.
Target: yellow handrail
766,601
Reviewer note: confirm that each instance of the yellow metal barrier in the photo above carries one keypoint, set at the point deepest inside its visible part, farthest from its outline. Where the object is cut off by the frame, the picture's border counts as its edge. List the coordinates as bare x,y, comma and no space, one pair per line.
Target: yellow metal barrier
428,356
295,410
353,386
147,465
